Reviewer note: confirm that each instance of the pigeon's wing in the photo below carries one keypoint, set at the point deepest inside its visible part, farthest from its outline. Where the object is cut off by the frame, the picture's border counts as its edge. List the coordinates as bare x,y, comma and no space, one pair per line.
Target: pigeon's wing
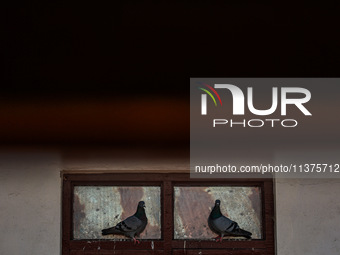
223,224
130,224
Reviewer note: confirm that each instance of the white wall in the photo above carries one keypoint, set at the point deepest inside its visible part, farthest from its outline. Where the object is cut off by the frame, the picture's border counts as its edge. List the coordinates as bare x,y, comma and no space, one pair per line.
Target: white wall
307,211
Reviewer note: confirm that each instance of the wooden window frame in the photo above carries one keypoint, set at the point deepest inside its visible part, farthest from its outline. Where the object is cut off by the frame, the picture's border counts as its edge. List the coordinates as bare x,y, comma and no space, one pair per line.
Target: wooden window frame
167,244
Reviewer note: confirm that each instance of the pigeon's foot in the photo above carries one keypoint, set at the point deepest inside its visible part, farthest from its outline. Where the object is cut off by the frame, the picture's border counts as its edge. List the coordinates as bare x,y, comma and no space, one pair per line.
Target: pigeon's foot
218,238
136,241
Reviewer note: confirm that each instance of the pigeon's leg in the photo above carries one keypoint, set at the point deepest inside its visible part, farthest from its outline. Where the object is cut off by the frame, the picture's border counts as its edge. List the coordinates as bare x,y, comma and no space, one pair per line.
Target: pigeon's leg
136,241
217,238
221,238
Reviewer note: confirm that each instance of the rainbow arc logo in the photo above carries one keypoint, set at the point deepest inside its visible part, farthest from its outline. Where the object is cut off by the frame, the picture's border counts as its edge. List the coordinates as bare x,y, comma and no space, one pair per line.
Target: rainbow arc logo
204,97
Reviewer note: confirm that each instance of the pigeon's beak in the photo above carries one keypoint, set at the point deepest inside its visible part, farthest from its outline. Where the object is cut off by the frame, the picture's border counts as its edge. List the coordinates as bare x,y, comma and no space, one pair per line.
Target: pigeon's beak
144,206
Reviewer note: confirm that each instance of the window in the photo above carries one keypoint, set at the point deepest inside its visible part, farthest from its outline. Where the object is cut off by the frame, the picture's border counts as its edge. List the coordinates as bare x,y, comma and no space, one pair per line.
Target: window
193,204
97,207
177,208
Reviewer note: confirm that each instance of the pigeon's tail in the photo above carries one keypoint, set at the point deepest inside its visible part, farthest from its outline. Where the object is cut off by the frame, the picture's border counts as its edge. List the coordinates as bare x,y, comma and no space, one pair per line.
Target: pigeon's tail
244,233
110,231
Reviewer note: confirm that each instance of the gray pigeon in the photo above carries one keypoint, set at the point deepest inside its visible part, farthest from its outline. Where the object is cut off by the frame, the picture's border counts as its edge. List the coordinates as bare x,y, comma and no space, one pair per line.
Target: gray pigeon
222,225
131,226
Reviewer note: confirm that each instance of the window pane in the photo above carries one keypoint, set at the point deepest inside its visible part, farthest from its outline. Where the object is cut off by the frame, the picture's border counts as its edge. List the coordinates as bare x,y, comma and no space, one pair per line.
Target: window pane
193,206
99,207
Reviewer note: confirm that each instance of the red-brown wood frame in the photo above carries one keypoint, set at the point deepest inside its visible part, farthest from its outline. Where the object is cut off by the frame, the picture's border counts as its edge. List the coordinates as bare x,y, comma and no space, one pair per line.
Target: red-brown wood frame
166,245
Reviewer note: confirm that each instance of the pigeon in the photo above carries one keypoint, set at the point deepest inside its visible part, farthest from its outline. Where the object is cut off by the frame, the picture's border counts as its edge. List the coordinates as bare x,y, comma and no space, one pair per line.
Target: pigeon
131,226
222,225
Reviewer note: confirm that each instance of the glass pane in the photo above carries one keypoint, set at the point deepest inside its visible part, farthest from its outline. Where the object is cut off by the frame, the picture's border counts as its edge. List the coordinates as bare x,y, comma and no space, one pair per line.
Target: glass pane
193,206
99,207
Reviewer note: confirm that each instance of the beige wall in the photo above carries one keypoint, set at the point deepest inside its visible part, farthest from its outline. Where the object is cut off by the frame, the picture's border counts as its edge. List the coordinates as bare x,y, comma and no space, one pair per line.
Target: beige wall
307,211
29,203
308,216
